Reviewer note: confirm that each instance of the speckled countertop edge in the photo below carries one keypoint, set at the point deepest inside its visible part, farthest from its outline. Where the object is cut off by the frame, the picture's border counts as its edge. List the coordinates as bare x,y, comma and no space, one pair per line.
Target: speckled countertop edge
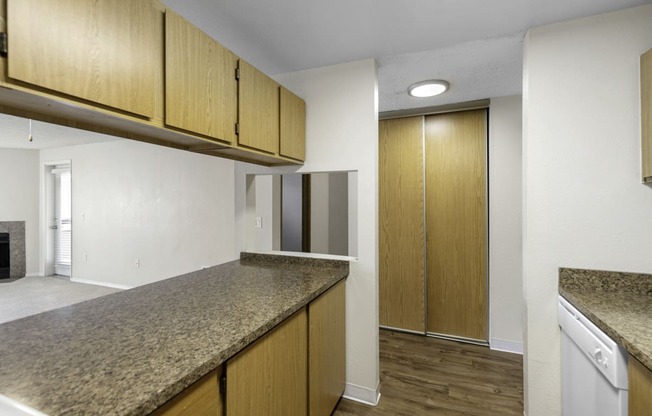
618,303
260,258
166,335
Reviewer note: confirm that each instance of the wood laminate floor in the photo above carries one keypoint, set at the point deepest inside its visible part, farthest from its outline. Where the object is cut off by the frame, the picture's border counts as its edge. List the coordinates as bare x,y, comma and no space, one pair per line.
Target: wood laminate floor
428,376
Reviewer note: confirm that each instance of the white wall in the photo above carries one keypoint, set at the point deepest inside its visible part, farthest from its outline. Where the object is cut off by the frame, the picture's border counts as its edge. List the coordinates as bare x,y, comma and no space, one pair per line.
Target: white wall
265,207
171,210
505,224
19,196
353,213
319,213
584,205
338,214
342,134
292,217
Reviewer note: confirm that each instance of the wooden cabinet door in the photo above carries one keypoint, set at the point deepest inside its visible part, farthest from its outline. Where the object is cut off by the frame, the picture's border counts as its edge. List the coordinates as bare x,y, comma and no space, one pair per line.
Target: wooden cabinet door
201,91
646,115
109,52
270,376
258,106
327,350
293,125
456,223
640,388
401,224
200,399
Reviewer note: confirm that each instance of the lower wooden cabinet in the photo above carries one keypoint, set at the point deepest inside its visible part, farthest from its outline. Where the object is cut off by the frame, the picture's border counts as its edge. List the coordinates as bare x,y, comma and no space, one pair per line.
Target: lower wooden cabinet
200,399
640,388
270,377
296,369
326,350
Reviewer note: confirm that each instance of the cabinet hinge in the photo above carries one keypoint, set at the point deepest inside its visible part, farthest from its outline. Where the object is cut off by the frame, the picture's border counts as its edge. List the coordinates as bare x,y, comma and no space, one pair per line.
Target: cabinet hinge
4,49
223,384
237,128
237,73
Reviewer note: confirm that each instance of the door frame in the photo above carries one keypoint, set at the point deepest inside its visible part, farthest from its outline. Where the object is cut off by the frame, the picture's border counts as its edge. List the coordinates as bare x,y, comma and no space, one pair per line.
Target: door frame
46,249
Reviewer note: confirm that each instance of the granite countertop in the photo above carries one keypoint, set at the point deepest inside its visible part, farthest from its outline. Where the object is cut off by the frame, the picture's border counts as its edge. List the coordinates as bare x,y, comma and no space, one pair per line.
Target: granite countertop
620,304
129,352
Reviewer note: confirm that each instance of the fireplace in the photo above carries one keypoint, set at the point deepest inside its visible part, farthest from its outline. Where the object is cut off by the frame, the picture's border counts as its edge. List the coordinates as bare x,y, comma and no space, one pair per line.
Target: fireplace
5,266
13,257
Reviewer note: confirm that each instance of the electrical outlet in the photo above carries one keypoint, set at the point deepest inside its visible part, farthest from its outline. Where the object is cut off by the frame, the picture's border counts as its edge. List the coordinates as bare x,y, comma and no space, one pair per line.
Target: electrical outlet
259,222
85,256
137,263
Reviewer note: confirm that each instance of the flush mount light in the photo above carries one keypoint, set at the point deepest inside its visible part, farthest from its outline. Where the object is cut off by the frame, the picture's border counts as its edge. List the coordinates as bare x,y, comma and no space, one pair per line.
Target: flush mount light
428,88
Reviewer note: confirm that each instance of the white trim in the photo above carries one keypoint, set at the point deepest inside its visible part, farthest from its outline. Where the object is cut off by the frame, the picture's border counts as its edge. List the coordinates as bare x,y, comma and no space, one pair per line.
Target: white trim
106,284
62,269
45,171
35,274
362,395
308,255
498,344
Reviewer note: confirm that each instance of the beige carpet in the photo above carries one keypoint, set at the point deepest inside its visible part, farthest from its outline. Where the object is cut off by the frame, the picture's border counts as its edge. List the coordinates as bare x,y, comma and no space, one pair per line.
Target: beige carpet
32,295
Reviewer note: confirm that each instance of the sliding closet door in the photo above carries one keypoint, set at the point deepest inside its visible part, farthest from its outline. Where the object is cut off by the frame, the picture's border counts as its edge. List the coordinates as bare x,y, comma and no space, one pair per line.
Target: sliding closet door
400,189
456,223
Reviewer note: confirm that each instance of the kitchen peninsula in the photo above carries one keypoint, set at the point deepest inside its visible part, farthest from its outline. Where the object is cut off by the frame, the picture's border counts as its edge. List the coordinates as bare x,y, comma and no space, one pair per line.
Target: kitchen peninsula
131,352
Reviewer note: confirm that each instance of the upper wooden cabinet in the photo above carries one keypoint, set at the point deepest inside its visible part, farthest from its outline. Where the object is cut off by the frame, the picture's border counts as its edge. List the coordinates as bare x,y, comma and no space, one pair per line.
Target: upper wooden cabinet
293,125
201,90
258,109
132,69
646,115
109,52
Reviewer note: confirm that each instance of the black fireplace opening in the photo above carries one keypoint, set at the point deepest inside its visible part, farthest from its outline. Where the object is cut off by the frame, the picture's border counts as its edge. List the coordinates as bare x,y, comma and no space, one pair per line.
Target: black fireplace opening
5,265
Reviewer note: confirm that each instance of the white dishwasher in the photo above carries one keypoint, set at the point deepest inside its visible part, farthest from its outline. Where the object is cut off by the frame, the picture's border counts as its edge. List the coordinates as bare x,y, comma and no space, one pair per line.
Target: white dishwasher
593,367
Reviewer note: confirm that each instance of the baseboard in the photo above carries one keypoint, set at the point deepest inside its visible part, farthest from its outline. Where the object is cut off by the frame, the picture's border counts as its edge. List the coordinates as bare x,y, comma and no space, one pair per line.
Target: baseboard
361,394
96,283
507,346
35,274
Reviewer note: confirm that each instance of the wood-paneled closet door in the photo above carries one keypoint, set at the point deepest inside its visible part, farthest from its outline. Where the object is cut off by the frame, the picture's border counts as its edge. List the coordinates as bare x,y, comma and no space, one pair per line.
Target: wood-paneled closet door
400,192
456,223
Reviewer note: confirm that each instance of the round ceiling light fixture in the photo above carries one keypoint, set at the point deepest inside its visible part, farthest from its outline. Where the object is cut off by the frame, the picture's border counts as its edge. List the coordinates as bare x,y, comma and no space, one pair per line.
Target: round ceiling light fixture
428,88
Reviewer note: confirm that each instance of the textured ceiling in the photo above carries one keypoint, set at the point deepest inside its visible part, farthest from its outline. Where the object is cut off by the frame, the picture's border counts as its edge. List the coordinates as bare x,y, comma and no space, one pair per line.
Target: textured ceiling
474,44
475,70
